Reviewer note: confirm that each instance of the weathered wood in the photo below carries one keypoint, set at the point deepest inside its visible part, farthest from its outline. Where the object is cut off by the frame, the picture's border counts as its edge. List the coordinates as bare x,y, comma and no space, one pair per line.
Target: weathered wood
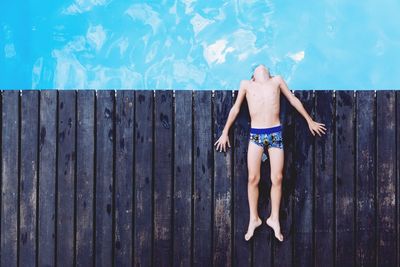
121,178
124,121
283,252
398,173
85,177
66,158
104,172
242,252
365,179
397,93
222,243
262,240
324,182
163,141
144,162
9,177
183,179
345,178
28,177
47,178
386,179
203,179
304,190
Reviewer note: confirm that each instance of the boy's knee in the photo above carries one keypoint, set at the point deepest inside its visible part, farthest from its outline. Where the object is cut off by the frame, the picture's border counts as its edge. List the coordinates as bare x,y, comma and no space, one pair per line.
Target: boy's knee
276,178
254,178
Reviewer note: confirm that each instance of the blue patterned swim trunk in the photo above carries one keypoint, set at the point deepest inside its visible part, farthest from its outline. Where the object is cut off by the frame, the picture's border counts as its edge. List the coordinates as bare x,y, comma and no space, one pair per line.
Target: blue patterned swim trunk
267,137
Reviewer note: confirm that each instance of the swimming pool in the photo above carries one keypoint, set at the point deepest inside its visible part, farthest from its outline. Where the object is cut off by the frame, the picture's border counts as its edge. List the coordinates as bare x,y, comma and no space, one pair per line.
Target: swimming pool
188,44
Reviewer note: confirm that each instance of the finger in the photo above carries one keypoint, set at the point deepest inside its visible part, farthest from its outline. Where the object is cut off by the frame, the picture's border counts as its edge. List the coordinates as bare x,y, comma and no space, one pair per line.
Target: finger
229,143
215,143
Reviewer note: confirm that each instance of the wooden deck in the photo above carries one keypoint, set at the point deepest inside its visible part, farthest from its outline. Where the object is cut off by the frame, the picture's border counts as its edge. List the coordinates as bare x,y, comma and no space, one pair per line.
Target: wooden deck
131,178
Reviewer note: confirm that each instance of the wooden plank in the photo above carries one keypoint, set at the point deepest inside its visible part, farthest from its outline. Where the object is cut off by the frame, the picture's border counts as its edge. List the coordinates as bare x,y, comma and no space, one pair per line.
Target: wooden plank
345,178
324,182
222,238
66,177
143,224
398,171
283,251
9,177
203,180
28,177
124,178
267,250
386,179
163,140
85,177
183,178
262,240
242,252
303,193
365,179
104,185
47,178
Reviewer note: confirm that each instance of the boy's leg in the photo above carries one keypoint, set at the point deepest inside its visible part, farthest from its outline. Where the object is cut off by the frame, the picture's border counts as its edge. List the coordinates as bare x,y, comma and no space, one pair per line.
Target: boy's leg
254,154
276,155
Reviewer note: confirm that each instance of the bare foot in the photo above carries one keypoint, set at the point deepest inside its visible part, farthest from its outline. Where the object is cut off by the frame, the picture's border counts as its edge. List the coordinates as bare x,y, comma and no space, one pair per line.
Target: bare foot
274,224
253,224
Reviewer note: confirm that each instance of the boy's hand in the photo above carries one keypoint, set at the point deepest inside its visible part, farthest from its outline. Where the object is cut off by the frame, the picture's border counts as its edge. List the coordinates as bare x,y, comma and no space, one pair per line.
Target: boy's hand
316,127
221,142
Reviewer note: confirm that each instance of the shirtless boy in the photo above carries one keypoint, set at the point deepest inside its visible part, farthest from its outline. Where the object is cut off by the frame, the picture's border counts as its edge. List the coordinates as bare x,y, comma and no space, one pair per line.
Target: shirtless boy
262,93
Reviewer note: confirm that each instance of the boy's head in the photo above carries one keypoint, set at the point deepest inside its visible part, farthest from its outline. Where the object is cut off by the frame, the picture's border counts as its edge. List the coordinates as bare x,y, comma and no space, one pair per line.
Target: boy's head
260,70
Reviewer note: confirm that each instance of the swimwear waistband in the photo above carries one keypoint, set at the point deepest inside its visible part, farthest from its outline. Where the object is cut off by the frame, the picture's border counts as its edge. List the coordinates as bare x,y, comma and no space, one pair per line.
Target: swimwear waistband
266,130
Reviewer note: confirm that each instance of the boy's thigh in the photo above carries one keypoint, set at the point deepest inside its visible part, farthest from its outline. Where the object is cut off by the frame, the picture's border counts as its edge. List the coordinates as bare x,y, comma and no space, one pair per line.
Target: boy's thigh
276,152
254,154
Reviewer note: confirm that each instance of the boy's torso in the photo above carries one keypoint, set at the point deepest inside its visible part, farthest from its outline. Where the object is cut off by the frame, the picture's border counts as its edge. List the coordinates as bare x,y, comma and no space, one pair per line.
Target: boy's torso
263,100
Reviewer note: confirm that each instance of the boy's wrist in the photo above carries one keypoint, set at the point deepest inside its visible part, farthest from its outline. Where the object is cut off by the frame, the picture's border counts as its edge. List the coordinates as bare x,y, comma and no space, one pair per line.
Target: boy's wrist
225,131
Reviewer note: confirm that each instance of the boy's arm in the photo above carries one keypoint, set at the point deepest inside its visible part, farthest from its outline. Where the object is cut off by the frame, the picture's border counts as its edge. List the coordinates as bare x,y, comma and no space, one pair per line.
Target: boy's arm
293,100
236,107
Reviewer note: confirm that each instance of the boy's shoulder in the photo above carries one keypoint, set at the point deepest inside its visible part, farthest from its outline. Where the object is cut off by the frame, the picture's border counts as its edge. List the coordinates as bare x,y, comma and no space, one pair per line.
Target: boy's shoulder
244,84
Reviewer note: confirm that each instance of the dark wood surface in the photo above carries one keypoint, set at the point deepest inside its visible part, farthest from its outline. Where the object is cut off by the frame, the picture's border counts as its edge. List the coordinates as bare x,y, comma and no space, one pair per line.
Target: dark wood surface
132,178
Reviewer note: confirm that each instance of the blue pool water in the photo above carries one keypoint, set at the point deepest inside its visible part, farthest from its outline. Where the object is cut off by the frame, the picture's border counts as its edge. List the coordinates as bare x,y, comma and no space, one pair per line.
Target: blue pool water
188,44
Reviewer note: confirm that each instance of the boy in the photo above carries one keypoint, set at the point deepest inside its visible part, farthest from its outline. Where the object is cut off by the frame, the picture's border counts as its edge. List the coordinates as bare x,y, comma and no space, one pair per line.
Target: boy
262,93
